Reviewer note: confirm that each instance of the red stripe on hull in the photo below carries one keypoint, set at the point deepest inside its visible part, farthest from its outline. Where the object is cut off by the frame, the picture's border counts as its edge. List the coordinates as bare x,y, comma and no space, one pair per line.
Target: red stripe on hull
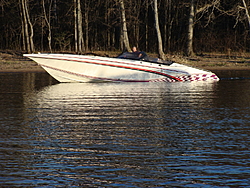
112,65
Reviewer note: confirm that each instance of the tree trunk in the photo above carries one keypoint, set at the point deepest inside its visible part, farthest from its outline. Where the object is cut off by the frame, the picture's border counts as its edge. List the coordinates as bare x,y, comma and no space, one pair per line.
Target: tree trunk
168,26
76,30
47,20
124,27
190,51
23,26
86,22
157,27
32,48
27,27
80,33
79,43
146,27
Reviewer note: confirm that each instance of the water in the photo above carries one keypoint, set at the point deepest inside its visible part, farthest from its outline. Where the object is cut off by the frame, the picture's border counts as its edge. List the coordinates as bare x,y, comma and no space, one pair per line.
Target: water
124,134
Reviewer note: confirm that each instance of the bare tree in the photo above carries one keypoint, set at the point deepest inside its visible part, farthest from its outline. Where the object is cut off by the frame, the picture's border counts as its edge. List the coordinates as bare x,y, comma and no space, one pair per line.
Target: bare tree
124,27
47,21
146,25
27,26
192,20
169,20
226,23
86,22
79,43
190,36
157,27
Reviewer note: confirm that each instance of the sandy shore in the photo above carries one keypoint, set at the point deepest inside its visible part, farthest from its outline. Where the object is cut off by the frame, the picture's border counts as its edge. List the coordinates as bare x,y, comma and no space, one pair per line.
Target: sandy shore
14,62
24,66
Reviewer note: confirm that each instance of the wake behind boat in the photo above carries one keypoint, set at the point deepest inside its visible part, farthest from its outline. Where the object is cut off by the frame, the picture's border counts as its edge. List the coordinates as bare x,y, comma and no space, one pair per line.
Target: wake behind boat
124,68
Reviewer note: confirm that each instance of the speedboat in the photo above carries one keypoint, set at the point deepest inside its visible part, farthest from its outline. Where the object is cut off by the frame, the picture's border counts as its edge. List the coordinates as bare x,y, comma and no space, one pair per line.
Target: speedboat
124,68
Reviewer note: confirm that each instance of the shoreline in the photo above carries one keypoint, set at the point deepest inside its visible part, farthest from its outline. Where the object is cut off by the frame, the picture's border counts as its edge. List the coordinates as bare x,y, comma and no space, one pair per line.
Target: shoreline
13,62
23,66
39,69
31,66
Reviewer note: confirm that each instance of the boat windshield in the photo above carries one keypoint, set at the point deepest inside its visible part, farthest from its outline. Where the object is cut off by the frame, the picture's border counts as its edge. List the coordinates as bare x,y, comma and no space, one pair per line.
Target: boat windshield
144,57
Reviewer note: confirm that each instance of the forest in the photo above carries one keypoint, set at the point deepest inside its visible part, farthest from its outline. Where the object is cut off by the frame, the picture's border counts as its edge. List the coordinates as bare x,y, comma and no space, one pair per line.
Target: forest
159,26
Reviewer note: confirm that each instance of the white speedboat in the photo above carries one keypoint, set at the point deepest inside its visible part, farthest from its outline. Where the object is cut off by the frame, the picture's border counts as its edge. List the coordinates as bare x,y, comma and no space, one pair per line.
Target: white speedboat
124,68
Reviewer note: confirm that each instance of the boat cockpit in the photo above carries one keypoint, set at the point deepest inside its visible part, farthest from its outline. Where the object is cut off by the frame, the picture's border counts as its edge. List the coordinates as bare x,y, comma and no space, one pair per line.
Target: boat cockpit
143,57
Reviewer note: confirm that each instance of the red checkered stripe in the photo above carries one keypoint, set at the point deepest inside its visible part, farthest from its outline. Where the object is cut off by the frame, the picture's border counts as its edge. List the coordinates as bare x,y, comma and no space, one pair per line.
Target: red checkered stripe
199,77
196,77
164,80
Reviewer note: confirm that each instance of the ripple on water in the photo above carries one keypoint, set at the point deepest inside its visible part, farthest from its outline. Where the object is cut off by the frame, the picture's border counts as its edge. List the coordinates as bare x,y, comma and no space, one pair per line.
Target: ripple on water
126,135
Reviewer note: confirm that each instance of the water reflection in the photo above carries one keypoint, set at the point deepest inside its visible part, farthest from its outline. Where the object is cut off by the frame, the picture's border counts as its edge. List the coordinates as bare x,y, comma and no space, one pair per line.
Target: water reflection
125,134
123,100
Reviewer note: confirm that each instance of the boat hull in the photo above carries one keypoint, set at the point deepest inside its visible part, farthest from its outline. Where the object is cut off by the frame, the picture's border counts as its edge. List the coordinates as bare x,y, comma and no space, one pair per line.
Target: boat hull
83,68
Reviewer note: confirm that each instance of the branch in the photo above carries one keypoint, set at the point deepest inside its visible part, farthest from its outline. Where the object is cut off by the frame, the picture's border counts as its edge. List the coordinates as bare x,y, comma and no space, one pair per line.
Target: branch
205,8
247,13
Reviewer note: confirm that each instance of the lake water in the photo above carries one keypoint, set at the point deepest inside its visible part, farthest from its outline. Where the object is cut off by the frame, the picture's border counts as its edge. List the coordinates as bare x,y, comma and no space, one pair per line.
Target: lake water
190,134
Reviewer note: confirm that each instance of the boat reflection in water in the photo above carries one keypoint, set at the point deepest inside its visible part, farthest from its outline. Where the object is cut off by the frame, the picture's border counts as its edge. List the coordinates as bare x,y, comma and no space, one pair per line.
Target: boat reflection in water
122,99
126,133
